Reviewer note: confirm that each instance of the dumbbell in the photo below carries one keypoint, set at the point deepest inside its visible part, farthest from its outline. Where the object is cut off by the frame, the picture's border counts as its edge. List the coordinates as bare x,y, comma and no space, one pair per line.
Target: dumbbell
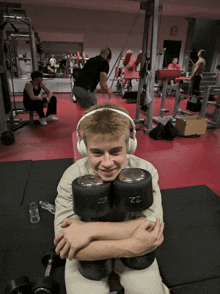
20,285
46,285
92,201
133,191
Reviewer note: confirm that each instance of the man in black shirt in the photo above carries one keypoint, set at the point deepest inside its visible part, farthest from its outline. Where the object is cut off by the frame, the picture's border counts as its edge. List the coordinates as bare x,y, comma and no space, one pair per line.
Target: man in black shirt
94,71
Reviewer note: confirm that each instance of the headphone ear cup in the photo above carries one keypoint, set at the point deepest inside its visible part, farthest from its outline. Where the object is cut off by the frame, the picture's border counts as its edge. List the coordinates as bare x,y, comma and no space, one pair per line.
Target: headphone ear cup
81,146
132,145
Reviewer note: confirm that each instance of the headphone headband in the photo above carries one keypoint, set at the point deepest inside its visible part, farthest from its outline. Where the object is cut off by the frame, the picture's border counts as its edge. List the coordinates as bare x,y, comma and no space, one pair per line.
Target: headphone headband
101,109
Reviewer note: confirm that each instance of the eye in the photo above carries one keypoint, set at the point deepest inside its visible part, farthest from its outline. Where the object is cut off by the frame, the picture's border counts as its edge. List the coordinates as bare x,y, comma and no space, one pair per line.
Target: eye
115,152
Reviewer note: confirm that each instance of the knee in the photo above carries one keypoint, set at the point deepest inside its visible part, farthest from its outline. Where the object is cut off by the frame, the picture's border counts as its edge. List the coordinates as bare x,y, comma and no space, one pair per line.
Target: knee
53,99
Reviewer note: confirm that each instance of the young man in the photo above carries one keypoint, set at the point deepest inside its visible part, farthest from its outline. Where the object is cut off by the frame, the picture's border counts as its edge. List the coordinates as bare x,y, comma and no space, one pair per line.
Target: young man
94,71
174,65
32,101
197,73
106,135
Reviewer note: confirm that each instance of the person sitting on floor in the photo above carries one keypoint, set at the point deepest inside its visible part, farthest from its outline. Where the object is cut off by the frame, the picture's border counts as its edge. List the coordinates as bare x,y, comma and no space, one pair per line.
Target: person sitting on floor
106,135
33,102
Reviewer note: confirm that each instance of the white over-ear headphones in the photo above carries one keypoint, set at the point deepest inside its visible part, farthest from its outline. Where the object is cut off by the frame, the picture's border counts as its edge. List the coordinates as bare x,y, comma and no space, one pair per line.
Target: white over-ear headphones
132,142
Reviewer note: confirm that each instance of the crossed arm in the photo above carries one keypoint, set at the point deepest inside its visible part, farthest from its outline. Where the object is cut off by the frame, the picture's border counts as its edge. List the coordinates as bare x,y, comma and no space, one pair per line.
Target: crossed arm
102,240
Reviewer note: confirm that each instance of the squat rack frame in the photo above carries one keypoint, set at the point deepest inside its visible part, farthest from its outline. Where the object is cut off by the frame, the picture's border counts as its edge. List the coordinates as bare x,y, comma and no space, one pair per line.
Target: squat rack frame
151,7
7,116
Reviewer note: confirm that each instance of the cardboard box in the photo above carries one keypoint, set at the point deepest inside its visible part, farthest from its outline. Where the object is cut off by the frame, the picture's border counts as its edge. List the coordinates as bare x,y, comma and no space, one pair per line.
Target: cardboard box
191,125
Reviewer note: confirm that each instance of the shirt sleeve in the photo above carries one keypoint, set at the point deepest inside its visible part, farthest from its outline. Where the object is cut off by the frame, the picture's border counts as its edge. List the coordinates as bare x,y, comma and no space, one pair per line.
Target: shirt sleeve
64,202
64,199
155,210
170,65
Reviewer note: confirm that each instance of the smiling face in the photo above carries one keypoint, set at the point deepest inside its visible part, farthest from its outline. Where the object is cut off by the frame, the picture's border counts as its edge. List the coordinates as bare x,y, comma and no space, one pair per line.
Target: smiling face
107,157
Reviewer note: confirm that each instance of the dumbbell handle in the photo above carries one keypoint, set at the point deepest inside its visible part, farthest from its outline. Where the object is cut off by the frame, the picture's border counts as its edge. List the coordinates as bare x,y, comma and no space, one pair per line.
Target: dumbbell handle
49,267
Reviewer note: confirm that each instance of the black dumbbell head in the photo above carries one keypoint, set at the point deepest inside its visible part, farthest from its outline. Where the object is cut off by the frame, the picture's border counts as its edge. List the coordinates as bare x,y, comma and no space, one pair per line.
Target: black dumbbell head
95,270
133,190
55,259
91,197
45,285
139,262
19,285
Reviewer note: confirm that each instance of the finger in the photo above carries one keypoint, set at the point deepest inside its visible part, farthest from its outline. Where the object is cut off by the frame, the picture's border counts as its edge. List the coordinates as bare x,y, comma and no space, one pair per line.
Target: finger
58,238
66,222
64,252
156,228
161,230
145,225
60,246
72,252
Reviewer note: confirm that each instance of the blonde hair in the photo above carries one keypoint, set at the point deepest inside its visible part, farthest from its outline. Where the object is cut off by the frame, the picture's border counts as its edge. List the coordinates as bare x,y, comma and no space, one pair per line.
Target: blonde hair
109,124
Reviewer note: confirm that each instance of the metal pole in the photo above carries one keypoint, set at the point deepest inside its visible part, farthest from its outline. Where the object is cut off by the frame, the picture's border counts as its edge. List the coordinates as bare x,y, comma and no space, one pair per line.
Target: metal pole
33,48
153,60
5,103
143,60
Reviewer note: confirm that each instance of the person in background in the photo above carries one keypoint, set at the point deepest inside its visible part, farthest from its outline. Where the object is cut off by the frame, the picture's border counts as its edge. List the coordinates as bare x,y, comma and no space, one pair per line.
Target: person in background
94,71
53,62
174,65
32,101
197,73
48,70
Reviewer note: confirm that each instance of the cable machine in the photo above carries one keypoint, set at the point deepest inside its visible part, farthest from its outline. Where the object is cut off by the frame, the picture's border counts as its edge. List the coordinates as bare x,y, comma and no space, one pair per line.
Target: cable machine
145,93
6,109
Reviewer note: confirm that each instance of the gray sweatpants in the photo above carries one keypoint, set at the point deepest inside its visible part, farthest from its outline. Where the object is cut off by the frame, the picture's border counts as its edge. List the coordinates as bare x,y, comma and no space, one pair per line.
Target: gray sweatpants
85,98
146,281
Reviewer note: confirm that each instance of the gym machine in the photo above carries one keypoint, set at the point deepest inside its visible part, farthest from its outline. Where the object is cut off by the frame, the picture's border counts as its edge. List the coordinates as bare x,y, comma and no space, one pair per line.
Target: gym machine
165,75
6,112
6,136
145,93
130,72
211,90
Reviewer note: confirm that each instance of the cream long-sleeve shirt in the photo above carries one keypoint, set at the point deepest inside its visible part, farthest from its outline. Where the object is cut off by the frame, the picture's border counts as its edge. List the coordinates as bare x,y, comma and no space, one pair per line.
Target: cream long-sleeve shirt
64,199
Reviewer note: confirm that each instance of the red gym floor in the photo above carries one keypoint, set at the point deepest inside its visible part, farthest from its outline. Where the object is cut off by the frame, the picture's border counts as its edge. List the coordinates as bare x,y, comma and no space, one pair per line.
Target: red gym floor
180,163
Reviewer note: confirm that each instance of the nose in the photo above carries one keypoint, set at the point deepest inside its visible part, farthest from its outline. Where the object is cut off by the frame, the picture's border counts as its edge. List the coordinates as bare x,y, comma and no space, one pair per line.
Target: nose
107,160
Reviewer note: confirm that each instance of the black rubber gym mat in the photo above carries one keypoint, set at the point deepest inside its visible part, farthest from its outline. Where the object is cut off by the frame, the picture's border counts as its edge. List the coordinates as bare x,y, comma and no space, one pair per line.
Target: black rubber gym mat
13,180
25,247
211,286
191,248
44,178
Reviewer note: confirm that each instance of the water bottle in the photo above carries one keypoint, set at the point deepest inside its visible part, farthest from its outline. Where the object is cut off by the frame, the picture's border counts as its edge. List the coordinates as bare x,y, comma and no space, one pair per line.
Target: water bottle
34,213
46,205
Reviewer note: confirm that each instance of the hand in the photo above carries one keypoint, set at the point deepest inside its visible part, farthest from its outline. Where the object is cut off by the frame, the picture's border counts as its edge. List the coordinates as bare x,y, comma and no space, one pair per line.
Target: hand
75,236
146,238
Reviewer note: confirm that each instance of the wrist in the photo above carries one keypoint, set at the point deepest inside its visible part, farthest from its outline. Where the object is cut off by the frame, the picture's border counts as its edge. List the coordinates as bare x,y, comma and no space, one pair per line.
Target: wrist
128,248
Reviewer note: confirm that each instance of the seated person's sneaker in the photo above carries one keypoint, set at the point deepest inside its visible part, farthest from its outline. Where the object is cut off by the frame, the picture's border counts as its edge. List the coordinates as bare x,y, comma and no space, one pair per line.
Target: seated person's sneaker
51,118
42,121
